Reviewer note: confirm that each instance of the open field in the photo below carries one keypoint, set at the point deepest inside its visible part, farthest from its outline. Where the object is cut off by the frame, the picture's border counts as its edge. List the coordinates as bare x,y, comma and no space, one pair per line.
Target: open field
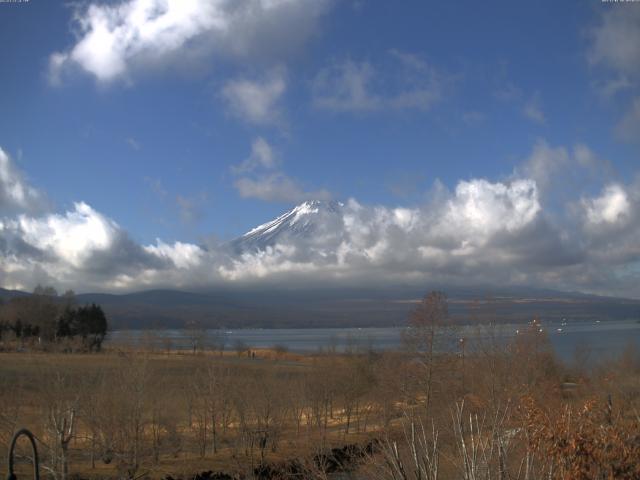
170,414
130,414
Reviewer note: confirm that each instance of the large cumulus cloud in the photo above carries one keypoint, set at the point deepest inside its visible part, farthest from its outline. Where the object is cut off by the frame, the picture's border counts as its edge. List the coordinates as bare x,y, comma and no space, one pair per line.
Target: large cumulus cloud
114,40
449,237
78,249
481,231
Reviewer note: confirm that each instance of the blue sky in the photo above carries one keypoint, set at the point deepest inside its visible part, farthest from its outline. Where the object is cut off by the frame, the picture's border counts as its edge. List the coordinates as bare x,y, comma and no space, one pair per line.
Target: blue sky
193,121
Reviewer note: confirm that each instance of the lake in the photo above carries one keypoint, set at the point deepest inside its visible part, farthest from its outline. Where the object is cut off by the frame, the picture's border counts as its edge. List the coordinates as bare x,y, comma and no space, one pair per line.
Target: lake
595,340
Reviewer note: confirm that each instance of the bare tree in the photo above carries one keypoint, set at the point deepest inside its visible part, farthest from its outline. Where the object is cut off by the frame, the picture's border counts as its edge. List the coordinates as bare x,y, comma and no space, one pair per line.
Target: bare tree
90,410
218,401
123,407
296,399
320,395
199,405
425,336
196,334
160,425
60,406
12,398
354,381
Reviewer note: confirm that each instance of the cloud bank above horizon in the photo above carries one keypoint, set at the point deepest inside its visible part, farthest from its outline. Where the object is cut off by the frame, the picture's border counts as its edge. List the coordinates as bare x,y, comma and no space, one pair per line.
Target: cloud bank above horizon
482,231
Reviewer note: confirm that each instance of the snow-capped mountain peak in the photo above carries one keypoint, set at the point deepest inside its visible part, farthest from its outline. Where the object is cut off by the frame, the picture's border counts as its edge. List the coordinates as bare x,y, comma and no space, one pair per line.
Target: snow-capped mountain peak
300,222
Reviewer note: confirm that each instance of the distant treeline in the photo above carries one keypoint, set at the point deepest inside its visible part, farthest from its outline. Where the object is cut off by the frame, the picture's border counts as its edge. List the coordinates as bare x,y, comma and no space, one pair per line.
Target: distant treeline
47,318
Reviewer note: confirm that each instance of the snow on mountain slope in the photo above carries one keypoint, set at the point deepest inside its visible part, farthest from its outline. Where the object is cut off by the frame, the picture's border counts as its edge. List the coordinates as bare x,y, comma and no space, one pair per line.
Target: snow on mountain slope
304,221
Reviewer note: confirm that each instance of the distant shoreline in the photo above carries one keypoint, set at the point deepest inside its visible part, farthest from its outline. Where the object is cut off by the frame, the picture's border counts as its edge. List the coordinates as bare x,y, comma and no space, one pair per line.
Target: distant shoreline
600,338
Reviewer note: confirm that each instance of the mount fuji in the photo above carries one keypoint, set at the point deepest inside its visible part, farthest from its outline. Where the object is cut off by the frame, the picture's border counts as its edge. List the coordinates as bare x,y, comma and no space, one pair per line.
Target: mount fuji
301,223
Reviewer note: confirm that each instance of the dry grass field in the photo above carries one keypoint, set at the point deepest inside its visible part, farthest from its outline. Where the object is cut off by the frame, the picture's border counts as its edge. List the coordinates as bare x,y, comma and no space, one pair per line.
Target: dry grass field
500,411
158,414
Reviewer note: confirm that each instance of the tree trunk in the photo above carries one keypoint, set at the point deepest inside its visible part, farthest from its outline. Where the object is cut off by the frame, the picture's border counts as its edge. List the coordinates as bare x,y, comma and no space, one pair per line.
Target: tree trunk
93,451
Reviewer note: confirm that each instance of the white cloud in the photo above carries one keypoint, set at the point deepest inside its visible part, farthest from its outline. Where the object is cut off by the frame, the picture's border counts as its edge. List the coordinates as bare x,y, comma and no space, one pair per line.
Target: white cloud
262,179
530,106
276,187
83,249
355,241
72,237
561,170
15,192
616,40
182,255
262,156
586,158
350,86
272,262
481,208
610,87
611,207
114,39
544,163
482,231
257,101
345,87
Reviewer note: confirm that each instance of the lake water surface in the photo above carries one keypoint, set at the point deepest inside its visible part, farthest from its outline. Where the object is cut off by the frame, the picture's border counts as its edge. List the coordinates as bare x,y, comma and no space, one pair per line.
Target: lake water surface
595,341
